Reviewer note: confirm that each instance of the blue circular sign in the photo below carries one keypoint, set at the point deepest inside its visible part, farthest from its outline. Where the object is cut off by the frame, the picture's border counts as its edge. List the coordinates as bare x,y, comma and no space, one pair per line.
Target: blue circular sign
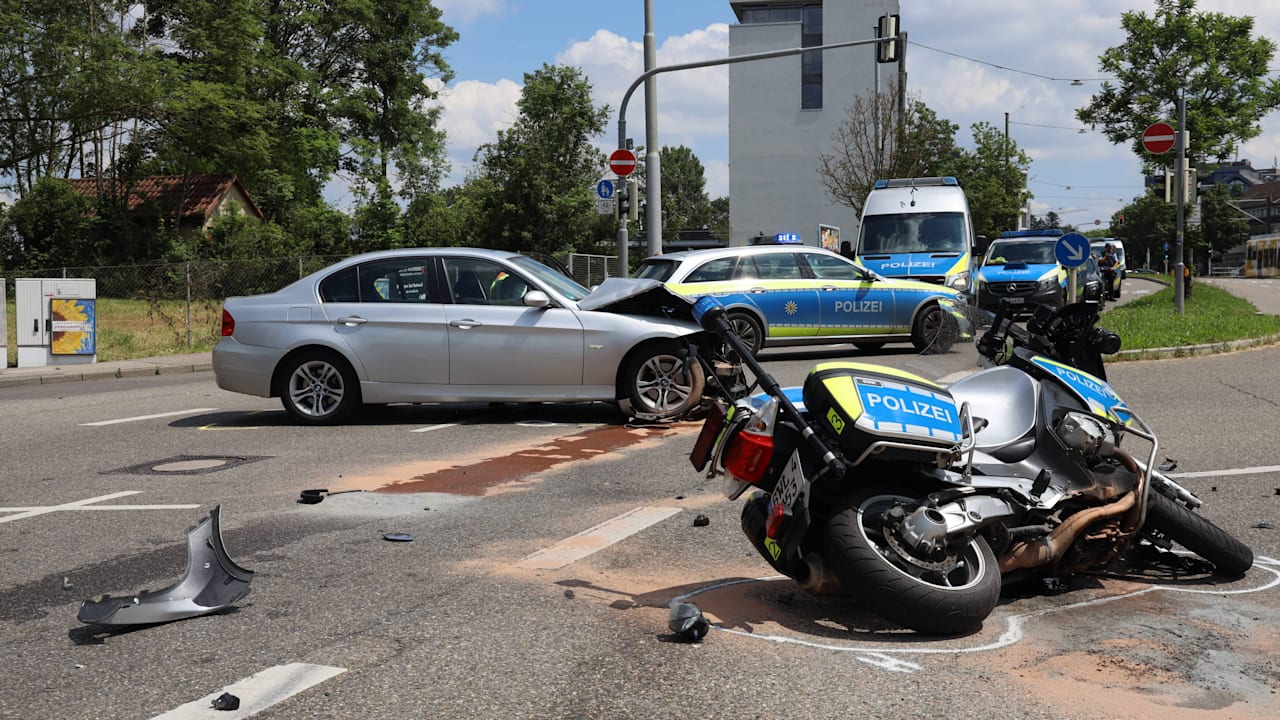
604,189
1072,250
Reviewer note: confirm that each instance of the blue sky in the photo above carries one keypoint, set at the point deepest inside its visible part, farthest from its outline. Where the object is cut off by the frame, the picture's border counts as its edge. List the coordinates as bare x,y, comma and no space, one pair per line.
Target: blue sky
1016,58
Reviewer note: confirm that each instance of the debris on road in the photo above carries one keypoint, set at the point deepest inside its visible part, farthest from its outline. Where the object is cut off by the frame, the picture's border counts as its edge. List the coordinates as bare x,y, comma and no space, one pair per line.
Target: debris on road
212,581
687,621
701,521
226,701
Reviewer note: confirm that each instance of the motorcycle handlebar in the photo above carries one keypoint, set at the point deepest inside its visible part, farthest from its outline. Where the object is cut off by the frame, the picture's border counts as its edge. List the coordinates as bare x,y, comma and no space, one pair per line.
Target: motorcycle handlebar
715,320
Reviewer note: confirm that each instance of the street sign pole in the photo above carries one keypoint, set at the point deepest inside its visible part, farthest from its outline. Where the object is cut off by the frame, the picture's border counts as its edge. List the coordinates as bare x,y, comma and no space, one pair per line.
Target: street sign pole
1180,146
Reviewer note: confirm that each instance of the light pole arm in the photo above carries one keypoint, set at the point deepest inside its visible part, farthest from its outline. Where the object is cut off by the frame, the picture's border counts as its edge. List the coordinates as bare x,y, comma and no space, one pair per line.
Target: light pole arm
626,97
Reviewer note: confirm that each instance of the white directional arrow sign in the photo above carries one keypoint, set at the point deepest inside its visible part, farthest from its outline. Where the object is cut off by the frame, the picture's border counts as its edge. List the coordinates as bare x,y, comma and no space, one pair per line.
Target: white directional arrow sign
1071,250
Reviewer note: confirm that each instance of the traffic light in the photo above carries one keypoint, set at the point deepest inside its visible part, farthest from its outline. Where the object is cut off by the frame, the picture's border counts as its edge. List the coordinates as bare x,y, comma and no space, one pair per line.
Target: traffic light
887,52
633,206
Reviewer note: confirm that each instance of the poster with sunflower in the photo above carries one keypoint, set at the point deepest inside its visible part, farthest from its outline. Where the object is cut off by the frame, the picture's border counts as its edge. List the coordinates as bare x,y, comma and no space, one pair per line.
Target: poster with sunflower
74,326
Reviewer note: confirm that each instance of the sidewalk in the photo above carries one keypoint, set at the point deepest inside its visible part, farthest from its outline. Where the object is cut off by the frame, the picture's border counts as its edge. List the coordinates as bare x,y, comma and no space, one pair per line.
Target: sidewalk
142,367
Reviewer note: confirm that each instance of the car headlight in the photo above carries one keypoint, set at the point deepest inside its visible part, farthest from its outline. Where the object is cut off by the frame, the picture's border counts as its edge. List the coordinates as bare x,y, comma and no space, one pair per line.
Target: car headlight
1047,284
959,281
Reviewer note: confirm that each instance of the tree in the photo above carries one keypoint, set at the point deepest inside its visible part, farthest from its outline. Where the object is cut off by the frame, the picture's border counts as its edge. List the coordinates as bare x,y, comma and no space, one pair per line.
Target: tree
994,178
719,220
1149,223
1050,221
684,192
533,185
862,154
69,79
1211,57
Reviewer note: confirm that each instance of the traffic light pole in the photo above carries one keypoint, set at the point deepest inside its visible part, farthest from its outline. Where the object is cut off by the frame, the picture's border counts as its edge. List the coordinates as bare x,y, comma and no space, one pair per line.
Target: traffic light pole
625,270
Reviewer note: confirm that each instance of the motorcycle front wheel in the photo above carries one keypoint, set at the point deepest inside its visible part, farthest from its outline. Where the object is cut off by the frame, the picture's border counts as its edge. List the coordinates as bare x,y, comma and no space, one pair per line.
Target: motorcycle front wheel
1193,532
947,596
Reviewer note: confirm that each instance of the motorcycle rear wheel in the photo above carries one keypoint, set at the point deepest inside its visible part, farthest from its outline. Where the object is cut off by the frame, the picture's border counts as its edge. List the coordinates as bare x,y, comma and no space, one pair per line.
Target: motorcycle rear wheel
936,602
1195,533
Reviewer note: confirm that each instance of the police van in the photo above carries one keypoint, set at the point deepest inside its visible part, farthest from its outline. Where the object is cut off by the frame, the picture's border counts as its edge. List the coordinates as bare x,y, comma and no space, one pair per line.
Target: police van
917,229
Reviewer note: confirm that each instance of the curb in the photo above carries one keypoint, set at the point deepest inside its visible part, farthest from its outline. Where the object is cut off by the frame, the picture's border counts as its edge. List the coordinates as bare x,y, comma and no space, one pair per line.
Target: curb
15,377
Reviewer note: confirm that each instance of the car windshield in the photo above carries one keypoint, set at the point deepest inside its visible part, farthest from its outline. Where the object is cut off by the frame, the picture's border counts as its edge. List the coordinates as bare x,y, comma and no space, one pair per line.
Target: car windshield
1031,252
556,281
910,233
655,269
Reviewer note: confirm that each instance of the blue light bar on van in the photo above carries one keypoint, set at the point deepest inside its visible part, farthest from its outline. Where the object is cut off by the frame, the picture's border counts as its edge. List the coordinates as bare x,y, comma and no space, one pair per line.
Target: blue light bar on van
915,182
1052,232
787,239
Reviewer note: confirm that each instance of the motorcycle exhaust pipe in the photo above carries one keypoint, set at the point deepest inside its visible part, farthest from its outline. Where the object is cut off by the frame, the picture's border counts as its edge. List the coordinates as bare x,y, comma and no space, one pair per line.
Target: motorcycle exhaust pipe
820,580
1050,549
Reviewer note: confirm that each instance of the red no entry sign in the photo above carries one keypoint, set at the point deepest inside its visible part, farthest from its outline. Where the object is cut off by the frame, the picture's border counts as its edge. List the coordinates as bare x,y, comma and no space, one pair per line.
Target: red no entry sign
622,162
1158,138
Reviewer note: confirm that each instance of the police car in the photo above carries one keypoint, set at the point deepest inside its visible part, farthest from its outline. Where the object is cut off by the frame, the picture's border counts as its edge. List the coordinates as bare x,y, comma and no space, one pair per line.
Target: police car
801,295
1020,268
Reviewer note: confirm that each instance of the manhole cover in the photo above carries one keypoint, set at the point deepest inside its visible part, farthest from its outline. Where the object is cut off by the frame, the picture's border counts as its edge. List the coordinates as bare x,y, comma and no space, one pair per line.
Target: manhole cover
187,465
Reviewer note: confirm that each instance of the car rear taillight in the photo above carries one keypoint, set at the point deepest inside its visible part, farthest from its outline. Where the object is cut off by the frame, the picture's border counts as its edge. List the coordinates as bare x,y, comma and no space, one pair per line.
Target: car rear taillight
749,451
228,324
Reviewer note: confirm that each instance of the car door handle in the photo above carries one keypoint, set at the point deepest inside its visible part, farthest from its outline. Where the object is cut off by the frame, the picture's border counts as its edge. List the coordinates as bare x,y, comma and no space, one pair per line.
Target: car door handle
350,320
827,288
758,290
465,324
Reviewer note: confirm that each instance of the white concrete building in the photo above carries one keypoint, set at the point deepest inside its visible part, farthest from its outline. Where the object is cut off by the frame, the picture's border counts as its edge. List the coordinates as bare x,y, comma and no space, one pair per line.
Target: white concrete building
784,112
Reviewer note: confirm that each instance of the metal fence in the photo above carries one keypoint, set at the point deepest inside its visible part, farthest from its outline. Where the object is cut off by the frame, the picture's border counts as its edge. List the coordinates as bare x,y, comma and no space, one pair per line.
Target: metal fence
184,300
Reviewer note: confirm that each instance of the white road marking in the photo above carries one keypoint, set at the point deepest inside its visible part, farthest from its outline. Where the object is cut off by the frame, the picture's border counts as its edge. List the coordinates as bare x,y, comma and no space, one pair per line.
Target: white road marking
597,538
147,417
441,426
256,692
27,512
1235,471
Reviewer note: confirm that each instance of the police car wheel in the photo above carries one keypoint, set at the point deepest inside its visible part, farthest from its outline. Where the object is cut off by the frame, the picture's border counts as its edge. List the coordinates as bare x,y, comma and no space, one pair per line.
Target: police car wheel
749,329
935,331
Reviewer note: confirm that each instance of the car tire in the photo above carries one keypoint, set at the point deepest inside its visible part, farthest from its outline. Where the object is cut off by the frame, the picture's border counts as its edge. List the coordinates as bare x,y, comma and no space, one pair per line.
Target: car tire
934,331
318,387
747,327
660,382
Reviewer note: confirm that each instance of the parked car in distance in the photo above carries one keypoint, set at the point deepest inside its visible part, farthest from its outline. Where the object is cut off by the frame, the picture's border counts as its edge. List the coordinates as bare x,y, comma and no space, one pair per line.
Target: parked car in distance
785,295
455,325
1089,282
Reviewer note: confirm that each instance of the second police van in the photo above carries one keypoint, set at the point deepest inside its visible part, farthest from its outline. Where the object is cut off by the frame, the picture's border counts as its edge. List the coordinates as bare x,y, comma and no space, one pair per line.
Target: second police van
917,229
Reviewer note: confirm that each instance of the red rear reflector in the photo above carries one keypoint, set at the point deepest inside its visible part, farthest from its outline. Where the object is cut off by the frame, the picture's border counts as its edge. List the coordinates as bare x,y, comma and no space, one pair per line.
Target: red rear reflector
748,455
773,523
228,324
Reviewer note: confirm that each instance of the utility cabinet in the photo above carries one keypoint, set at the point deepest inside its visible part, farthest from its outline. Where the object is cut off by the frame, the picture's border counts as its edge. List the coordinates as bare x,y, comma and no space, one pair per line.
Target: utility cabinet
56,321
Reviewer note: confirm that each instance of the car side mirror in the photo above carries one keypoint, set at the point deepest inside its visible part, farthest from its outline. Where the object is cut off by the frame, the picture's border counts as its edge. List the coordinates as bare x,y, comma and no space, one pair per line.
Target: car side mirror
536,299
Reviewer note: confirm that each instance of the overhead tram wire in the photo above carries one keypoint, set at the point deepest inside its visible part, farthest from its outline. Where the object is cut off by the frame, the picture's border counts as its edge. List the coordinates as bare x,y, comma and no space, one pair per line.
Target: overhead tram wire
1073,81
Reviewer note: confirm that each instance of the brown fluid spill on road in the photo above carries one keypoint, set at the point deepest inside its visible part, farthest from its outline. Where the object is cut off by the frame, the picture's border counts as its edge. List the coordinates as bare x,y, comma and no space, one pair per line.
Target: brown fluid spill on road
485,475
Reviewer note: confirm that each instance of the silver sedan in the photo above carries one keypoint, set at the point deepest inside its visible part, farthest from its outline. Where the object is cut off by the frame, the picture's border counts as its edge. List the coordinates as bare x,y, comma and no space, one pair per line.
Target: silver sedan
457,325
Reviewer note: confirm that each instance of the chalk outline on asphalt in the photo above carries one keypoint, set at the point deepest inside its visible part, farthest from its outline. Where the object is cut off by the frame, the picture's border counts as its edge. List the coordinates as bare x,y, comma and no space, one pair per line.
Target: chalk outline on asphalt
883,657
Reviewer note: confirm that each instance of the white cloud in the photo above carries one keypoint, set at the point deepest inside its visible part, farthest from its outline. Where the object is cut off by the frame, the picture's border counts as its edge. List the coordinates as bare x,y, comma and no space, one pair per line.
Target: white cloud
473,114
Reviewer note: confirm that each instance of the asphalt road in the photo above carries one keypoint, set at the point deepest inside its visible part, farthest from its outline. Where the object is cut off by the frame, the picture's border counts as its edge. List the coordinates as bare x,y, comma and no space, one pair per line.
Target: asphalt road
494,610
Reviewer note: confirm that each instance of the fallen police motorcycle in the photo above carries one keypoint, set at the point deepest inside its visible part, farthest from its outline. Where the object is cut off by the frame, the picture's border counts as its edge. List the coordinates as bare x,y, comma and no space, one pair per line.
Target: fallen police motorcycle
917,498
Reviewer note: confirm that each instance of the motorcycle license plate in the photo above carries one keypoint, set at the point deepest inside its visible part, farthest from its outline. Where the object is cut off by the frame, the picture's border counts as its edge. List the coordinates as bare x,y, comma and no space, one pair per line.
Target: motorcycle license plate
706,441
792,485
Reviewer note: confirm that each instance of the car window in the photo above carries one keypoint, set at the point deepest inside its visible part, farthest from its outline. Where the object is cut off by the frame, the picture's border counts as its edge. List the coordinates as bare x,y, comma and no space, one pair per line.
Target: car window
480,282
340,287
828,267
660,270
771,266
399,280
713,271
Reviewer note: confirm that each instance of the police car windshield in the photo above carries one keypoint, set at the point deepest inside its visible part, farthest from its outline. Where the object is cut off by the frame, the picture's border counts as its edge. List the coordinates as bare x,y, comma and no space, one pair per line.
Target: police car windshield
1031,252
912,233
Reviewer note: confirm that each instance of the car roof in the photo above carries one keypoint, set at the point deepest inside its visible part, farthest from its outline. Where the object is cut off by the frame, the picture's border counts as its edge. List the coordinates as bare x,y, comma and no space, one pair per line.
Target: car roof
735,251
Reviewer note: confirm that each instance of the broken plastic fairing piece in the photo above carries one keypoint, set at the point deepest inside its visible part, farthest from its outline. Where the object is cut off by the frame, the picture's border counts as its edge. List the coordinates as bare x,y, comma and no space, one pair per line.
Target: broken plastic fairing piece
212,581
